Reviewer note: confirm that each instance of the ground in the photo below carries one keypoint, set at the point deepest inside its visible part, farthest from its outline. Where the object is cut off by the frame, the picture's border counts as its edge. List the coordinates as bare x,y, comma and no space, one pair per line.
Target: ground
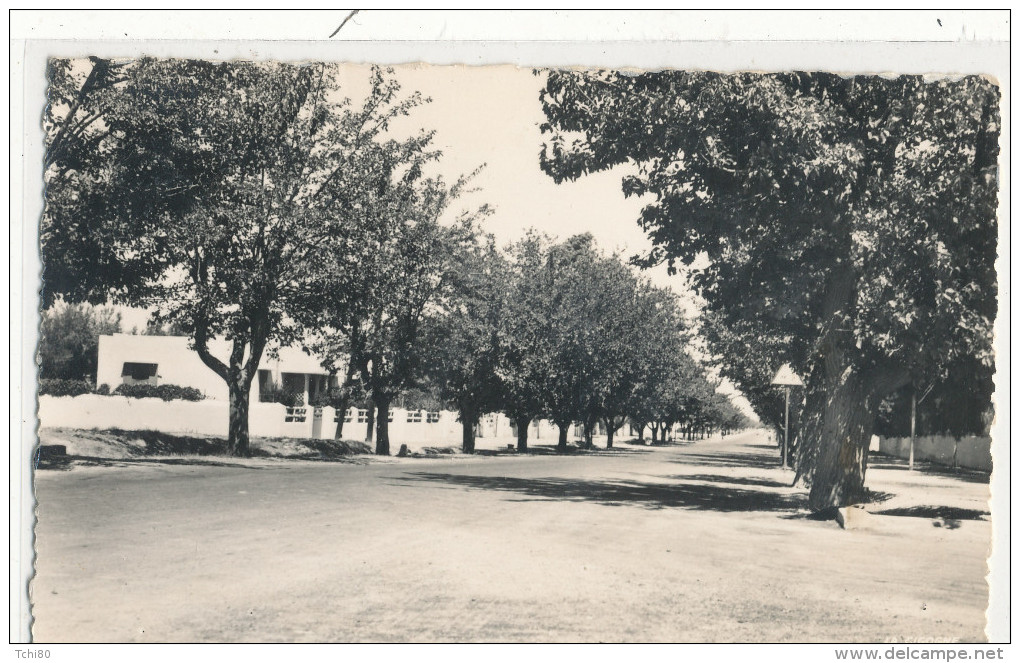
699,542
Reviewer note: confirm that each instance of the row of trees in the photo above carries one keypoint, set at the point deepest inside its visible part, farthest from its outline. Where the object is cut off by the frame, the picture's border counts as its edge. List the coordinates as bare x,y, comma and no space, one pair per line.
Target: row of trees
849,225
251,201
255,202
560,331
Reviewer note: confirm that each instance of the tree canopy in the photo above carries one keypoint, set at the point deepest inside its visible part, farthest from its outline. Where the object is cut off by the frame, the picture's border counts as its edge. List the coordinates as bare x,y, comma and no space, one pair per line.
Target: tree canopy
222,190
848,220
69,340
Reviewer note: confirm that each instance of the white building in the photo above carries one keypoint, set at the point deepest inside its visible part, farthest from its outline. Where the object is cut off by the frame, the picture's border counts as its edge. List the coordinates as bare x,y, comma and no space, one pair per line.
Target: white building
134,359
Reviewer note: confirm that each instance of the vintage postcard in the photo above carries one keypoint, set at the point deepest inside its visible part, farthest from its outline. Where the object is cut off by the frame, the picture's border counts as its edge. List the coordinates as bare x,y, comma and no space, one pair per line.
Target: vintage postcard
674,346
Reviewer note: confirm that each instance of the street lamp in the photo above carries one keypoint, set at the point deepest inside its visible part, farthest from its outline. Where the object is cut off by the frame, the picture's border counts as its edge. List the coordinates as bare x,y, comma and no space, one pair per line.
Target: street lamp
786,378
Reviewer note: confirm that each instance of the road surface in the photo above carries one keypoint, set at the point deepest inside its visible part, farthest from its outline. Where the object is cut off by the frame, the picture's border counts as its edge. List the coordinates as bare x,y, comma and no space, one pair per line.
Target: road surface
703,542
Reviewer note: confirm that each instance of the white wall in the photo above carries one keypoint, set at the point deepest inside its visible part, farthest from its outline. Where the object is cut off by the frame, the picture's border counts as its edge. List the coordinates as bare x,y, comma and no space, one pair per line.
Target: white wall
90,411
970,452
210,417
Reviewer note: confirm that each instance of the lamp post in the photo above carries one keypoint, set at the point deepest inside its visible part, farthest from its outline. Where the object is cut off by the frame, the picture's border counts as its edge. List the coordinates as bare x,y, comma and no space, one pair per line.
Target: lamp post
787,379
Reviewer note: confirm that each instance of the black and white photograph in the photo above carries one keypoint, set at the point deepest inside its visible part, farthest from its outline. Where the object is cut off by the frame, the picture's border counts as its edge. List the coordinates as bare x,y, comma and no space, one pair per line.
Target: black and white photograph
339,346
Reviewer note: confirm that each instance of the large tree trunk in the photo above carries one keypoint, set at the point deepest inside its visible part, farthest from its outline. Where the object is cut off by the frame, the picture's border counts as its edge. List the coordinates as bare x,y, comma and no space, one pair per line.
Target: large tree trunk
238,374
238,442
561,443
382,424
839,414
641,433
609,432
832,453
467,425
839,423
655,432
522,433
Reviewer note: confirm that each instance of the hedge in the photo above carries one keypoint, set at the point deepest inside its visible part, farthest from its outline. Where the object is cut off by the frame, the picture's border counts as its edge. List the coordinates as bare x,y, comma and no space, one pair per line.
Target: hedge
168,392
62,387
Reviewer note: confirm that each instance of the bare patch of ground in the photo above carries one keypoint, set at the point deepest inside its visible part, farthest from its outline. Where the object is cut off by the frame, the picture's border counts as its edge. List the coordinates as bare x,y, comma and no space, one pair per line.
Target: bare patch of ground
120,447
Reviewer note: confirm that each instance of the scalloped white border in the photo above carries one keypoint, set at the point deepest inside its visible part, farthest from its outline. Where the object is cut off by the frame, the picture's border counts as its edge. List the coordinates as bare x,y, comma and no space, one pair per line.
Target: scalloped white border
859,42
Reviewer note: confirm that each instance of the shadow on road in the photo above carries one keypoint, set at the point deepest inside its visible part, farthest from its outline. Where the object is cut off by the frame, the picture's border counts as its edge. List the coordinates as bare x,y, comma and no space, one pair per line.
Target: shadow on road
740,481
69,461
947,513
746,460
620,493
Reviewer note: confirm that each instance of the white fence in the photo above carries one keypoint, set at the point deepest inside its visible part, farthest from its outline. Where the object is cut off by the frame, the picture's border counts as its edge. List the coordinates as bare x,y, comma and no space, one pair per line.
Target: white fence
210,417
971,452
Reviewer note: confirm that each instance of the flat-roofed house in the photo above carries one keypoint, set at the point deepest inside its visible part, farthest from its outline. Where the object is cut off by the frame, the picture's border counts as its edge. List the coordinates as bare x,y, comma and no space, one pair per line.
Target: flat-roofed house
137,359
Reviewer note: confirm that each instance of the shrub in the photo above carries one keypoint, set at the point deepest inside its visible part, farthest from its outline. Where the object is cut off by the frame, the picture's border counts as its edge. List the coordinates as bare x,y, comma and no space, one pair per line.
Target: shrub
167,392
103,389
335,397
62,387
277,394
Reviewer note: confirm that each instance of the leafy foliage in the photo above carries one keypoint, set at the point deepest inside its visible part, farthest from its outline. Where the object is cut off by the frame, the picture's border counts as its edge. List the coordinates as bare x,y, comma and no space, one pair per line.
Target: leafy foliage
371,314
524,347
166,392
63,387
462,361
849,224
219,192
69,340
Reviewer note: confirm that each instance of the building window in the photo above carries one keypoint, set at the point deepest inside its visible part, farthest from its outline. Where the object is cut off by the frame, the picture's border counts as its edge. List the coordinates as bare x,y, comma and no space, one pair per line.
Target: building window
139,373
414,416
267,388
433,417
347,416
362,416
389,416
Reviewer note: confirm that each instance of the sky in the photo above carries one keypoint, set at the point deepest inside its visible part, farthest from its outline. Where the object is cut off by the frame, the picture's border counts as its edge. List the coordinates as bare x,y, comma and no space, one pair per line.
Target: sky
491,115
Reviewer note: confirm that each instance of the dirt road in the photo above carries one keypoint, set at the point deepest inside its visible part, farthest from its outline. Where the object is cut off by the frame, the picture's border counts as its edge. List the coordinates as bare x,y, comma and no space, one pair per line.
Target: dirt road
703,542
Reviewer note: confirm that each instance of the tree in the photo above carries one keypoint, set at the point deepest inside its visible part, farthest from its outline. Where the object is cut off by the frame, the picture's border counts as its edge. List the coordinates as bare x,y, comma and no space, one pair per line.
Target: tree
392,355
524,346
660,359
231,182
958,404
590,335
463,343
854,217
752,357
571,298
69,340
83,260
374,316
